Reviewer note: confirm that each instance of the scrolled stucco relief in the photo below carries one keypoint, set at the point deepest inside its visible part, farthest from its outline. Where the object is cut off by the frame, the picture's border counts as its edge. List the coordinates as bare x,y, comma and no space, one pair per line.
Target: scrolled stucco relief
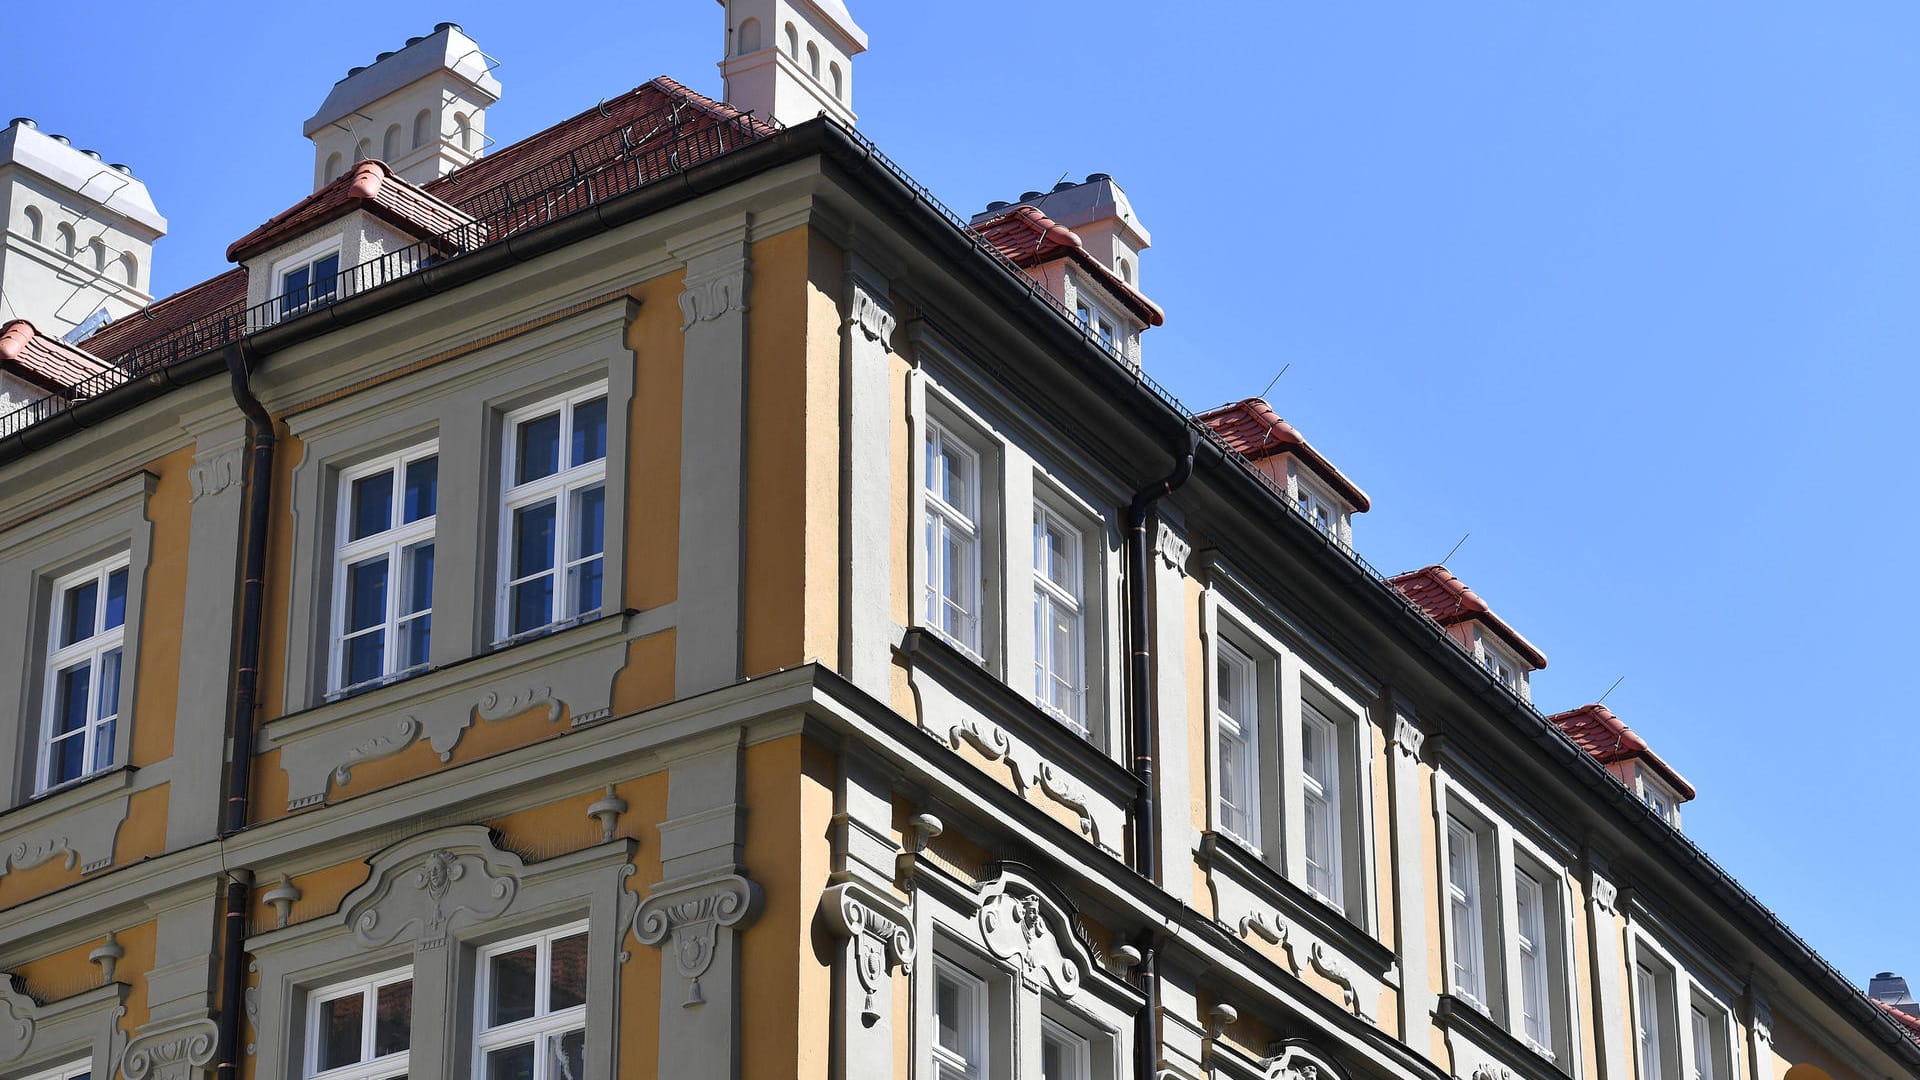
1606,895
214,472
82,837
1269,927
1407,736
429,884
1022,927
17,1011
688,919
713,294
1028,769
1172,548
1335,969
174,1052
871,314
1487,1070
496,705
1298,1063
881,933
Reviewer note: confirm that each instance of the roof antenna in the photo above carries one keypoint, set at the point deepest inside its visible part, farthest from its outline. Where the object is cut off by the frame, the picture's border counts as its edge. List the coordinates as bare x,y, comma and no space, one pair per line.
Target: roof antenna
1610,689
1454,548
1276,378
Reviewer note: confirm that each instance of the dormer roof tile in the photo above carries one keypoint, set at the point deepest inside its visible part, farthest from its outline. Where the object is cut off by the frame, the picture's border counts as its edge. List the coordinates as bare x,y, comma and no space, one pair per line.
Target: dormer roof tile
1030,238
1448,601
49,363
370,186
1252,429
1608,739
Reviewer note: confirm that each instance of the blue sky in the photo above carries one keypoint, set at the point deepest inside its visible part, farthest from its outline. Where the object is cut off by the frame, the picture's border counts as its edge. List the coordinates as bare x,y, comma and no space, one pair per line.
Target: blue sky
1624,290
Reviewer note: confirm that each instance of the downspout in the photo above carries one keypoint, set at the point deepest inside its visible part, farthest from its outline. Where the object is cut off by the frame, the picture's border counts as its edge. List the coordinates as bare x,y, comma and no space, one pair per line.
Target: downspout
242,705
1140,711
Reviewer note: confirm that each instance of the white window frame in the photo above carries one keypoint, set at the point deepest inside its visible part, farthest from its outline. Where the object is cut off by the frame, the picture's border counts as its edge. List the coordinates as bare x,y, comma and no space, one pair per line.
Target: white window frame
1668,996
1651,1029
87,651
393,543
368,1067
1658,794
1466,915
1535,966
1313,504
559,486
1053,601
970,1061
542,1027
1237,742
1077,1061
965,521
305,260
1502,663
79,1070
1324,851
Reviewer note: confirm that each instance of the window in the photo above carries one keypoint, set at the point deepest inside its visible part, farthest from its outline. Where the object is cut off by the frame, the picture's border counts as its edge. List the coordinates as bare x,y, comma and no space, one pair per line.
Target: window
1653,987
361,1031
960,1018
953,539
309,280
531,1020
64,234
1237,717
87,632
1319,511
1097,324
1064,1055
1468,913
1530,930
1059,621
1656,794
1709,1028
813,61
383,568
1320,790
553,513
79,1070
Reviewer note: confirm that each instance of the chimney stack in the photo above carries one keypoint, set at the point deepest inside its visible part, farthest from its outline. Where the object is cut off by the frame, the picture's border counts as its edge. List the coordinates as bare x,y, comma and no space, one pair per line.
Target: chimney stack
788,61
421,109
80,233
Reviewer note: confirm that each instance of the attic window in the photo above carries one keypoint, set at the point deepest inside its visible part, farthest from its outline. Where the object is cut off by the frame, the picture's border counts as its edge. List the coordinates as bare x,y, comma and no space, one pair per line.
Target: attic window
309,278
1318,509
1502,666
1098,324
1656,794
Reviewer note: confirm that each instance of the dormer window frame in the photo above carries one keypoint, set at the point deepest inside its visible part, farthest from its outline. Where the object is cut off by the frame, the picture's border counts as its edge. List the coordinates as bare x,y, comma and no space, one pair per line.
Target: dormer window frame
1312,498
1495,656
1657,794
304,260
1095,310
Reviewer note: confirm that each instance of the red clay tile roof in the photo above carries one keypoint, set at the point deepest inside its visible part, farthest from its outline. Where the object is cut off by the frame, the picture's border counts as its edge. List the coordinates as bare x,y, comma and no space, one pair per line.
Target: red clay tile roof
49,363
1911,1024
1608,739
1030,238
522,168
1255,431
1448,600
369,186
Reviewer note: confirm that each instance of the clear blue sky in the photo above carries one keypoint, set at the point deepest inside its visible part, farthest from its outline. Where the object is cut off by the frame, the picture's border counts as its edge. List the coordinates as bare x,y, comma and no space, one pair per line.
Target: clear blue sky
1625,290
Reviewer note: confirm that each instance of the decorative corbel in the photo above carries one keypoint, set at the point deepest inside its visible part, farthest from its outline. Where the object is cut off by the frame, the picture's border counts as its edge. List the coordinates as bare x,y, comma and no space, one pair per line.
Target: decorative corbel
921,831
1220,1017
881,935
107,955
282,897
692,915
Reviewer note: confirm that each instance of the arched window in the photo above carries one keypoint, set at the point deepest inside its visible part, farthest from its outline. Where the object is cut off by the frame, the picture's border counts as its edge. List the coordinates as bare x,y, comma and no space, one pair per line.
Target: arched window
363,150
748,37
793,43
1126,271
839,88
333,168
422,128
390,149
33,224
463,131
130,268
813,60
65,241
99,253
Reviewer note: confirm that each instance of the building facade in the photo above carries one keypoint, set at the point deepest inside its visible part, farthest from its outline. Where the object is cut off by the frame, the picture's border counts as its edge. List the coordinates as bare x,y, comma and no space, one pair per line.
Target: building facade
664,598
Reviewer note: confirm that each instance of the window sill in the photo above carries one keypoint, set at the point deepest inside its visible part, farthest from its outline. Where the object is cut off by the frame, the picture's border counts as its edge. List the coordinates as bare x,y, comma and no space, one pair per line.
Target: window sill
1461,1016
68,797
77,823
1221,854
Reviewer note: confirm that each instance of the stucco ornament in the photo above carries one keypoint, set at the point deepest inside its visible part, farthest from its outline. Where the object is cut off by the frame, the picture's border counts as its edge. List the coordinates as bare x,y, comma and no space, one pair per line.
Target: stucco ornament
429,884
16,1018
1334,968
1172,548
871,314
1298,1062
688,920
172,1053
214,472
1490,1071
712,295
881,933
1031,933
1026,767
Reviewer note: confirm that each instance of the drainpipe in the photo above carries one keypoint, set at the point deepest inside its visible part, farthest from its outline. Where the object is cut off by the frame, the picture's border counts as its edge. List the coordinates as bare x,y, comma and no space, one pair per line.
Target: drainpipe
242,706
1140,712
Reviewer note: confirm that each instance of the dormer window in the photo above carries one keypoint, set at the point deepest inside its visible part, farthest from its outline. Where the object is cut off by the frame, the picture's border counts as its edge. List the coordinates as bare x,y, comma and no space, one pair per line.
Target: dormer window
1502,665
1319,510
1657,794
1098,324
309,278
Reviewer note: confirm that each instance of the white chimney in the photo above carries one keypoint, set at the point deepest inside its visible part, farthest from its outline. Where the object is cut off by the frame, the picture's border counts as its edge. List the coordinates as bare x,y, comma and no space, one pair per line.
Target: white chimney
422,110
788,61
79,233
1101,214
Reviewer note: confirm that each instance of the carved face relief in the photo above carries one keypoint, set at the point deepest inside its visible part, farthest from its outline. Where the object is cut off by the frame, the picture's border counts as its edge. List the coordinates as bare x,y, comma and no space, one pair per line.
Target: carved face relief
1019,929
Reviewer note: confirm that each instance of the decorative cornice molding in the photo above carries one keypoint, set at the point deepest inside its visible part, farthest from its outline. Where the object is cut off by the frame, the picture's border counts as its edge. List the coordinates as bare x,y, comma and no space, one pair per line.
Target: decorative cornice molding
1336,970
871,314
83,837
881,932
174,1052
1173,548
17,1011
715,293
692,916
1023,927
214,471
429,883
1408,736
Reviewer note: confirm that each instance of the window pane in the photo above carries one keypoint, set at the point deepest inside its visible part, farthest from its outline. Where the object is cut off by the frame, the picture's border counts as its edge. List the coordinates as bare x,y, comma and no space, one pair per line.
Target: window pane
294,285
70,698
324,272
393,1018
417,564
340,1030
946,1013
102,746
511,1063
423,489
372,505
537,452
109,703
366,658
416,642
66,759
569,1056
567,973
367,594
513,975
589,431
589,522
533,528
532,604
116,600
77,620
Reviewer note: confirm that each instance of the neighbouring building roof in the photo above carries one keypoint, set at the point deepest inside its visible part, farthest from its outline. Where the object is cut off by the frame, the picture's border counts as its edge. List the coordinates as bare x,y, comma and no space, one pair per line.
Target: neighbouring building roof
1252,429
1909,1024
1031,238
622,126
1449,602
49,363
1608,739
369,186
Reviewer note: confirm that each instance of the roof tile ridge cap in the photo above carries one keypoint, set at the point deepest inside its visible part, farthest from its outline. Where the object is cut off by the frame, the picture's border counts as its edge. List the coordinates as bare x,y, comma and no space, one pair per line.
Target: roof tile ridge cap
14,341
723,109
369,176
